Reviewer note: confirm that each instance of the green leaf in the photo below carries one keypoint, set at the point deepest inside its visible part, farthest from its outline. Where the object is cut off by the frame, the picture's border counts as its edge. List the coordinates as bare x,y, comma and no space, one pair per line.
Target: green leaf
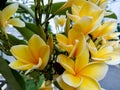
15,41
37,30
8,75
41,80
56,6
113,15
25,32
30,85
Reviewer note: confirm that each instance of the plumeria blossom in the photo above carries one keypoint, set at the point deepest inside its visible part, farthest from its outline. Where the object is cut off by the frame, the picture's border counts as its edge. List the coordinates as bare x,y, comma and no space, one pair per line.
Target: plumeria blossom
105,53
100,3
105,29
79,74
5,15
60,20
87,17
69,3
73,44
35,55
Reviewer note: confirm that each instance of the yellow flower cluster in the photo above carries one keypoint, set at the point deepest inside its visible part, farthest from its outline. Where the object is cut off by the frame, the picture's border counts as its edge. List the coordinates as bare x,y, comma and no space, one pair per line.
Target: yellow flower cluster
89,44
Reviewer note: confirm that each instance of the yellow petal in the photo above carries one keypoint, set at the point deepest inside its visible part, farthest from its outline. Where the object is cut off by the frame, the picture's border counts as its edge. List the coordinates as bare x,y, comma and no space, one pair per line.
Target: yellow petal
82,60
9,11
74,18
78,40
61,38
95,70
104,50
115,59
16,22
63,85
18,65
67,63
71,79
75,10
22,52
105,29
44,55
83,24
35,43
89,84
90,9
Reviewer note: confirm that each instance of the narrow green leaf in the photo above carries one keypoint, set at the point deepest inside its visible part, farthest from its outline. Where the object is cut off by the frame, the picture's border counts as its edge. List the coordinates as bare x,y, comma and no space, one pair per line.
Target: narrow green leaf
56,6
26,32
15,41
8,75
113,15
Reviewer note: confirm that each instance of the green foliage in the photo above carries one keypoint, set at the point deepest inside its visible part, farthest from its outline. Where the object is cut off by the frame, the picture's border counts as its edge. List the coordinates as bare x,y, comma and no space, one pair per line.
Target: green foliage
56,6
11,77
113,15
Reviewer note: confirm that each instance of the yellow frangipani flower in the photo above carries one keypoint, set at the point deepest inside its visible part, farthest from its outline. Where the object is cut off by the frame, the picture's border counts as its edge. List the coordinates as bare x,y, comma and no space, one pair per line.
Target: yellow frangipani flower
35,55
5,15
100,3
105,53
69,3
105,29
87,17
79,74
73,44
60,20
112,36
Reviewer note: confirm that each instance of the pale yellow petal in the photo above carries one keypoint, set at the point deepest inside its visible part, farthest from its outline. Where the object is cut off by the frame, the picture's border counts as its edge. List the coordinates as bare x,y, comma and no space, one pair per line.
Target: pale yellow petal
61,38
18,65
63,85
78,40
34,44
89,84
67,63
65,47
105,29
22,52
82,60
104,50
16,22
2,23
44,55
9,11
74,18
95,70
83,24
90,9
71,79
75,10
115,59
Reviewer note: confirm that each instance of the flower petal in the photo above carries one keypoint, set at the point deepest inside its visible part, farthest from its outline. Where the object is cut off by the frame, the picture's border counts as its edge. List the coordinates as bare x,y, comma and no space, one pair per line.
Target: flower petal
22,52
63,85
18,65
83,24
67,63
89,84
44,55
61,38
95,70
82,60
71,79
9,11
34,44
16,22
